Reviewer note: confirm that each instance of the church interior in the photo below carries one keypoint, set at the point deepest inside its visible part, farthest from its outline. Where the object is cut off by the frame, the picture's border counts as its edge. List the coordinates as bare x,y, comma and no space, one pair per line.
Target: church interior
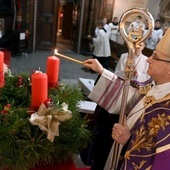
30,31
27,26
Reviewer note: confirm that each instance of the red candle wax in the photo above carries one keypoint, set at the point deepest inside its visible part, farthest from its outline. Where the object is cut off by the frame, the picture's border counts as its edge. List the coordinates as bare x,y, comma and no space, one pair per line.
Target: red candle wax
39,89
52,69
1,69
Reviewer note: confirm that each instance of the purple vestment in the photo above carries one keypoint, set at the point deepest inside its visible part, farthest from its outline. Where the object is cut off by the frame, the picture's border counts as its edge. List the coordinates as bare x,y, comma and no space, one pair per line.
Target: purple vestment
149,146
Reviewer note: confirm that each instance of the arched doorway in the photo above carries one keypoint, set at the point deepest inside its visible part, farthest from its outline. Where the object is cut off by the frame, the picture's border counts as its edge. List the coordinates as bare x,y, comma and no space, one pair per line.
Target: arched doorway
65,25
46,23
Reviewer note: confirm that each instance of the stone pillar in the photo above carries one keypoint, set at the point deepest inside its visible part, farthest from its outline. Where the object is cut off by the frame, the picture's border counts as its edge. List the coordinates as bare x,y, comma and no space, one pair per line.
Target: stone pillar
164,10
108,6
91,18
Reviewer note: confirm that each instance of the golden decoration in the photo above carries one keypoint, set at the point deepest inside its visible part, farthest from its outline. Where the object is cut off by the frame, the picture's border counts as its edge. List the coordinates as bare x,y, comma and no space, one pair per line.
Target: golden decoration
145,89
49,119
149,101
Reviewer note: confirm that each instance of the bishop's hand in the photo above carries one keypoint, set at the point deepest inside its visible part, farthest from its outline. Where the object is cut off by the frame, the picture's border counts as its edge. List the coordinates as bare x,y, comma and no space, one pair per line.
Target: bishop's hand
121,133
94,65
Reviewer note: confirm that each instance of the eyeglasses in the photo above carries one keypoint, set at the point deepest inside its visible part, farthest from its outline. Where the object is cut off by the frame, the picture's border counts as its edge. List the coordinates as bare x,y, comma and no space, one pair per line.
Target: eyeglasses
160,59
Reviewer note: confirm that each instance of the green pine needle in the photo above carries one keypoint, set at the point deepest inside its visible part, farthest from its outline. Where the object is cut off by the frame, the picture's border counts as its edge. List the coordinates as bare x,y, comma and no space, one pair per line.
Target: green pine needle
24,145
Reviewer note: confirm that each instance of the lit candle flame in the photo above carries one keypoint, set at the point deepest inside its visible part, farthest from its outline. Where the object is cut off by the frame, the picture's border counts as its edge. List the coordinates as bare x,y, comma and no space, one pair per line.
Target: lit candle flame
66,57
55,52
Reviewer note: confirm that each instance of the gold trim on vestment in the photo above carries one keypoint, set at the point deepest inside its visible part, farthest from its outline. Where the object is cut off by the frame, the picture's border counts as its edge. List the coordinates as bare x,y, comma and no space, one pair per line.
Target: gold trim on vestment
150,100
163,148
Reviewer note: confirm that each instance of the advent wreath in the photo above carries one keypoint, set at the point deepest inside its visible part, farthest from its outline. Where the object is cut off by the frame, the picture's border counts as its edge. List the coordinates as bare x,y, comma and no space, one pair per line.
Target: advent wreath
23,144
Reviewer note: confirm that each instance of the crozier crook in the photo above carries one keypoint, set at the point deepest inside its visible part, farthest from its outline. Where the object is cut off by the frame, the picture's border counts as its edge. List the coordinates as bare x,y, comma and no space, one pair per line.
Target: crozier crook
133,39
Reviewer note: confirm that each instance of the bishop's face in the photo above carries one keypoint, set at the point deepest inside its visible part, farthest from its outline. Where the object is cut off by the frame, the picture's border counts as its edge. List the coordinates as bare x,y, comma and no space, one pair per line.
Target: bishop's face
159,67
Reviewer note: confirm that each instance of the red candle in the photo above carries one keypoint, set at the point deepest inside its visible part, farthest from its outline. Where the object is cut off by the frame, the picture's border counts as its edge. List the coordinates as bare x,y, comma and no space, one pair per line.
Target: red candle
1,69
53,64
39,89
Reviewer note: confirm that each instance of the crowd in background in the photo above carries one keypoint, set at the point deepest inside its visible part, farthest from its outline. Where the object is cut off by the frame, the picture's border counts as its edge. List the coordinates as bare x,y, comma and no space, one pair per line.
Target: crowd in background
158,32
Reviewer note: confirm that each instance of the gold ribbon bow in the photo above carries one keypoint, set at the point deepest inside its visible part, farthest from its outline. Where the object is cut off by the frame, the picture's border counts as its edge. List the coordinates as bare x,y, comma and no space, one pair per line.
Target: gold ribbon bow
48,119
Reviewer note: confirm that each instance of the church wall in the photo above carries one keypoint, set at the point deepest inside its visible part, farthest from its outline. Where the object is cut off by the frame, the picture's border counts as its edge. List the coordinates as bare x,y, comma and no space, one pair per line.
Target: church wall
153,6
120,7
123,5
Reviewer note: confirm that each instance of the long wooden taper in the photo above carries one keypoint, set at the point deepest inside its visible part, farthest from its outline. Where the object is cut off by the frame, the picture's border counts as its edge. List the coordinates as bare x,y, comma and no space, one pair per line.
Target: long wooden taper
68,58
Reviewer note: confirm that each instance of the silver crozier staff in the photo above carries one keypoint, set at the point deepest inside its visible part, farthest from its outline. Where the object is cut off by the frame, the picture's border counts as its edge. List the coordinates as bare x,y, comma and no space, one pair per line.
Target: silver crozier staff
133,38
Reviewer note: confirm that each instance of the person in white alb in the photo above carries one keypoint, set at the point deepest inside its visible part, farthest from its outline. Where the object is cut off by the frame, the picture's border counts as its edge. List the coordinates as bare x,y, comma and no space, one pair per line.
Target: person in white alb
144,135
137,25
114,29
155,36
164,28
140,64
101,43
106,27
